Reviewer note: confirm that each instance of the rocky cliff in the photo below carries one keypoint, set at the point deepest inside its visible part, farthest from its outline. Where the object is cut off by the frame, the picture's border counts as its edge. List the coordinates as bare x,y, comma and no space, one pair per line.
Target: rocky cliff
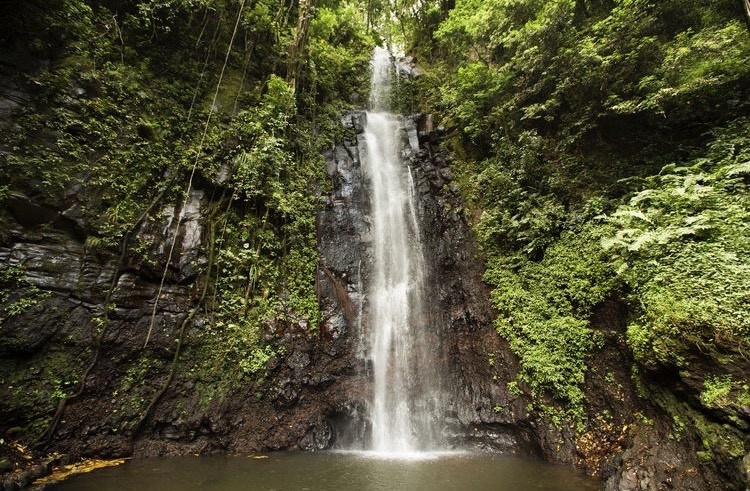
77,368
85,316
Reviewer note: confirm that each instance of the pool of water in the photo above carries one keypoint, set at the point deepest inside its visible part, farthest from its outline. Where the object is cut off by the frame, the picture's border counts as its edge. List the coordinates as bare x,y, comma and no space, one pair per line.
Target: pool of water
333,471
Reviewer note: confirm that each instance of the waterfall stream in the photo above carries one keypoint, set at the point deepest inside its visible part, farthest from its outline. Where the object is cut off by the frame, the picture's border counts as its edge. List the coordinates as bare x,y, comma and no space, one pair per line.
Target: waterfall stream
405,404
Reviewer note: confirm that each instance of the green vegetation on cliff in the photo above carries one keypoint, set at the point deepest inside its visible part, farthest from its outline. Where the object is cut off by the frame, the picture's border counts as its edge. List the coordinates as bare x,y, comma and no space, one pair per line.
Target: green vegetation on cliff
127,106
603,151
602,147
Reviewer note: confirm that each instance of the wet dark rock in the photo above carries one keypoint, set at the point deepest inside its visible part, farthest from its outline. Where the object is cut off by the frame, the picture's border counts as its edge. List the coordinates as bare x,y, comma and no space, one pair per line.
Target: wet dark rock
626,452
175,239
285,393
74,215
349,425
12,94
28,213
355,120
65,460
35,213
23,479
171,432
8,485
407,67
317,437
491,437
459,316
425,124
39,471
656,462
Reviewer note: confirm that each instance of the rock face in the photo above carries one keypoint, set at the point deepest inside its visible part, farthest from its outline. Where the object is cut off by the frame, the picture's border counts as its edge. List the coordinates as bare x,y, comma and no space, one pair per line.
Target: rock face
63,288
630,442
91,315
315,392
482,414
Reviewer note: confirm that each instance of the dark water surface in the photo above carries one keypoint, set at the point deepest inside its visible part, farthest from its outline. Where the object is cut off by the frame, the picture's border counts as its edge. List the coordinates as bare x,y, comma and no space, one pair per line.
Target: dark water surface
332,471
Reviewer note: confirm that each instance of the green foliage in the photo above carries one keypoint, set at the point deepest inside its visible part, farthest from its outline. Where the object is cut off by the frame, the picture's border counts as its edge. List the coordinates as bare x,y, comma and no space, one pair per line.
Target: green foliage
727,395
261,158
257,359
89,128
514,389
17,294
695,66
716,390
684,235
264,241
544,309
266,252
117,123
562,119
339,53
562,66
136,388
33,387
720,441
678,428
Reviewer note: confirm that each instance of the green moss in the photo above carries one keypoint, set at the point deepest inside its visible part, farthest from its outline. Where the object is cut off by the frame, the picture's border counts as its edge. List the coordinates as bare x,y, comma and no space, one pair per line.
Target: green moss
544,310
716,391
729,396
17,295
31,388
683,236
724,443
643,419
513,388
705,456
136,387
678,427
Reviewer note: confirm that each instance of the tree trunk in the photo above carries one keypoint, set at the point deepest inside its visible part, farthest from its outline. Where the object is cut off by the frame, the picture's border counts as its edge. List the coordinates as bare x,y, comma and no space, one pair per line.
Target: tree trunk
296,50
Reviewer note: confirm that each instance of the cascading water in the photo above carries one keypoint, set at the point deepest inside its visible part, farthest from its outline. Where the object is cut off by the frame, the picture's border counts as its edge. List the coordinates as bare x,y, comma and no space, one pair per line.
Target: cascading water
406,402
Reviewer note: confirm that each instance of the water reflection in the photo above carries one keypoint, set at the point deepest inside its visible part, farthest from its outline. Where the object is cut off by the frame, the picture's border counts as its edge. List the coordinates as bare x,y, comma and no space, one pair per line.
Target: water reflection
333,471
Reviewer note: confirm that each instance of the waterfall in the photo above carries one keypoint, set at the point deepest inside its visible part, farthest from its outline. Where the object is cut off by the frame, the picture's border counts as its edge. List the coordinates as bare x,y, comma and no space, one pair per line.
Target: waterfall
406,397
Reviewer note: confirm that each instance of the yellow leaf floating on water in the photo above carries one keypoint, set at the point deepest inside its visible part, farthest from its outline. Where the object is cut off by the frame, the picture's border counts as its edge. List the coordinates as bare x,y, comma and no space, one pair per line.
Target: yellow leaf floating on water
258,457
82,467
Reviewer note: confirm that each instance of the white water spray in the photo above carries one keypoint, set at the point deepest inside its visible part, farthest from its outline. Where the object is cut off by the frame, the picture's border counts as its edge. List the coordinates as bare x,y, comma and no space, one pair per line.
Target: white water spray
405,404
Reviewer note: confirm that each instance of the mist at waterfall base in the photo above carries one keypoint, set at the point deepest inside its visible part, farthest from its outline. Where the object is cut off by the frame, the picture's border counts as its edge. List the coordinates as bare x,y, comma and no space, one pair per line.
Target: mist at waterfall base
406,450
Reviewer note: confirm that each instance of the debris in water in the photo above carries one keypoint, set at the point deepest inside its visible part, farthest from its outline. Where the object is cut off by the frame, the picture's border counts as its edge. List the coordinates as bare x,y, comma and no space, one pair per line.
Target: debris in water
83,467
